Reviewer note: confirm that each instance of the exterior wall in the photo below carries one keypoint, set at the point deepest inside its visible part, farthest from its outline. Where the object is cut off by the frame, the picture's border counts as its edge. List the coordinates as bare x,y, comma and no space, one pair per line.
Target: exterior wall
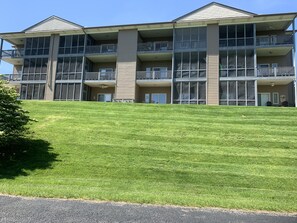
97,90
151,90
126,65
213,64
283,90
283,61
52,68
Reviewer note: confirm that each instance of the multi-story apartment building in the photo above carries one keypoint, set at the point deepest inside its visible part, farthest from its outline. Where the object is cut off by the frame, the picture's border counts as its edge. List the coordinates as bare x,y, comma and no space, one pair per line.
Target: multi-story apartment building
215,55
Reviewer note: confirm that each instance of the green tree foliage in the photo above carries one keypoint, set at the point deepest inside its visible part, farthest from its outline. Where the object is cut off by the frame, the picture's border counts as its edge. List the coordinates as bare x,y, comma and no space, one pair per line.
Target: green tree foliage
13,119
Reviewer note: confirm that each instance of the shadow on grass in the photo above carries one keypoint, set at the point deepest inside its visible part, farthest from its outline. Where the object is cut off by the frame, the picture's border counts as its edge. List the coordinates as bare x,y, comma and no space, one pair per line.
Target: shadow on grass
25,155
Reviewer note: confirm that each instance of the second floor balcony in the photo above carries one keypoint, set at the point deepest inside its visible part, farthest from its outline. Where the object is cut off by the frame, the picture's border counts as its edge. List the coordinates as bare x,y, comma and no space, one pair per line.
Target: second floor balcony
11,78
13,53
154,75
275,40
160,46
276,72
100,76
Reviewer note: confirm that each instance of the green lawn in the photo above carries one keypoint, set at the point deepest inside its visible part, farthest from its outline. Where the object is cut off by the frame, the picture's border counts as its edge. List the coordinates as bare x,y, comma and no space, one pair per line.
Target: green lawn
230,157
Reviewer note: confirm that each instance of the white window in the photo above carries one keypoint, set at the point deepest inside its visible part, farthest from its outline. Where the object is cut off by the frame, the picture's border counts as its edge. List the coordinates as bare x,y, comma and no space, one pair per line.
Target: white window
275,98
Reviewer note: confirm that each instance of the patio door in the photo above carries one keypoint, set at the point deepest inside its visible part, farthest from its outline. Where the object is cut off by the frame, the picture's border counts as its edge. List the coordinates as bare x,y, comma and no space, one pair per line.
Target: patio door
104,97
263,98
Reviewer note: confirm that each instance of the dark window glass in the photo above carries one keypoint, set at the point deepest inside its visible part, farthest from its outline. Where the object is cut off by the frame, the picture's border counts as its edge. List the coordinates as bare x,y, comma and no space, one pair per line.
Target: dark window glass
77,92
202,90
41,91
176,91
193,90
177,61
249,30
64,91
223,59
185,90
240,31
57,91
194,60
202,60
23,91
232,89
241,89
223,90
223,32
240,59
30,91
231,32
36,91
70,91
186,61
251,90
232,59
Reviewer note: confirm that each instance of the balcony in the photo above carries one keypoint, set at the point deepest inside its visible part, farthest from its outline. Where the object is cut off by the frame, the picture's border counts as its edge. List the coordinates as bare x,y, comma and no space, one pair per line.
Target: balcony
276,72
154,78
155,46
153,75
99,76
13,53
275,40
101,49
14,57
13,79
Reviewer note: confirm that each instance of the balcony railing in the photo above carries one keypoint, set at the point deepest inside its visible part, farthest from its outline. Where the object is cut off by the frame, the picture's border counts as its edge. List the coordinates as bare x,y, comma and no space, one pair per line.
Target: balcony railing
99,76
275,40
13,53
155,46
276,72
154,75
101,49
10,77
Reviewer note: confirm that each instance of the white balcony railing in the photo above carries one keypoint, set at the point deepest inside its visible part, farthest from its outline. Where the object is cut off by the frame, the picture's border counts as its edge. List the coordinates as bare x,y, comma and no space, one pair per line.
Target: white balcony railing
275,40
101,49
154,75
155,46
276,72
99,76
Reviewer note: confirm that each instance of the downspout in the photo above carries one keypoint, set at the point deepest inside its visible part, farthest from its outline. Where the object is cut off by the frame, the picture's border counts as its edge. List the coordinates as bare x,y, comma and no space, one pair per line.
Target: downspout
294,59
1,46
172,61
83,67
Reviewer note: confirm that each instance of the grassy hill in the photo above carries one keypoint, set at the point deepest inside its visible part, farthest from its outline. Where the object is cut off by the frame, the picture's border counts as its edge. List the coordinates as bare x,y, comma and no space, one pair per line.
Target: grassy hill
230,157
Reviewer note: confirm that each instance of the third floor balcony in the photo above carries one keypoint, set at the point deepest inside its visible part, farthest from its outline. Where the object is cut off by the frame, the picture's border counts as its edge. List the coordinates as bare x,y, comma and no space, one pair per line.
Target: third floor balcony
275,40
102,49
159,46
276,72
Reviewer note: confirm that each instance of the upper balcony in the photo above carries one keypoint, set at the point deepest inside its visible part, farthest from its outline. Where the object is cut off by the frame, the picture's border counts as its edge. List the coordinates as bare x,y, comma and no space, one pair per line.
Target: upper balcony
13,79
276,72
159,50
104,52
154,78
14,57
275,40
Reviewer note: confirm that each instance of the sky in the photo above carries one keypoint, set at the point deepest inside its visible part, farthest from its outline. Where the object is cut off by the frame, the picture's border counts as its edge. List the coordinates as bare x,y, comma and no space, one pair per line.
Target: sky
18,15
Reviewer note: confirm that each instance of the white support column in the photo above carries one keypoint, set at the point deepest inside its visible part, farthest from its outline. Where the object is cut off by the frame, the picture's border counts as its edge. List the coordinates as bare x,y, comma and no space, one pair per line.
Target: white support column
256,93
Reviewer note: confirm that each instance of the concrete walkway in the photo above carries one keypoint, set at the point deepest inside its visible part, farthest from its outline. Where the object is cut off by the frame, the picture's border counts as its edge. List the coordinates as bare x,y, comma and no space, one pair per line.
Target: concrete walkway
27,210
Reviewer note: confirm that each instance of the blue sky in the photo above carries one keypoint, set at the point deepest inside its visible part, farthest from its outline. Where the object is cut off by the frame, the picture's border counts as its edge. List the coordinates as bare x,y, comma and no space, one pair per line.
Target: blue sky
20,15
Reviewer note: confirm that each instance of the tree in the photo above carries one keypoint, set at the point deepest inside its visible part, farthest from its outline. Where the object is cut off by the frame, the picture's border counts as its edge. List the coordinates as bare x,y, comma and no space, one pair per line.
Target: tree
13,119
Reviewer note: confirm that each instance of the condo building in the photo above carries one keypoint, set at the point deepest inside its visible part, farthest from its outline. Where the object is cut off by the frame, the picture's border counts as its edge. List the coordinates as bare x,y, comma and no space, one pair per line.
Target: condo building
215,55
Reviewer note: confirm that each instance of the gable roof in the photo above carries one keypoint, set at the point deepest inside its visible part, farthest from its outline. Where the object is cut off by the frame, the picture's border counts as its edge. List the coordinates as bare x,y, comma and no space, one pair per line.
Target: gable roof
214,10
53,23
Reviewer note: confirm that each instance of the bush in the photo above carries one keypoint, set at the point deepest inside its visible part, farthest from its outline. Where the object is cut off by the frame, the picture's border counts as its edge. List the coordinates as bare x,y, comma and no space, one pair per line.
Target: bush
13,119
